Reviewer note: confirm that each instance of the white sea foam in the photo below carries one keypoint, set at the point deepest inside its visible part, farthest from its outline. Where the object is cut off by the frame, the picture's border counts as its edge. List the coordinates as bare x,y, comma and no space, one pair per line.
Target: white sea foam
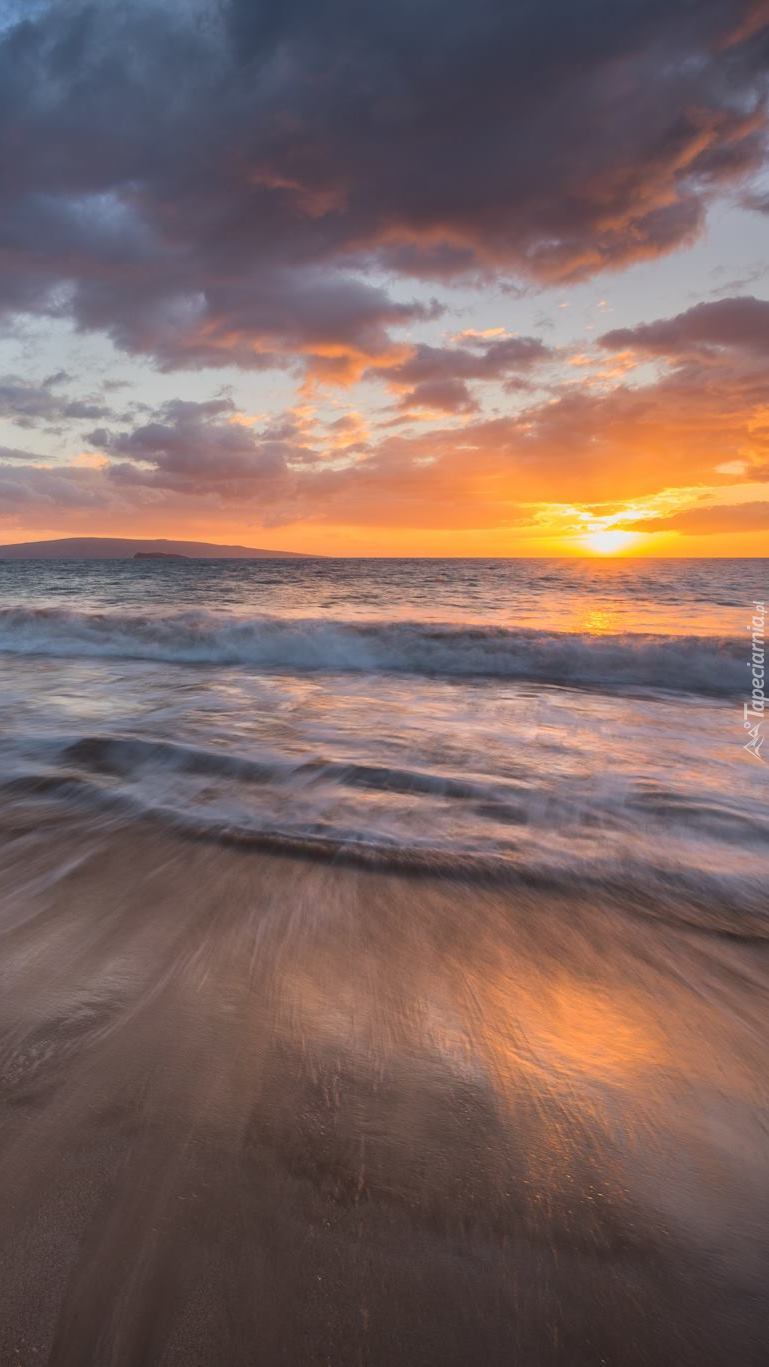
680,663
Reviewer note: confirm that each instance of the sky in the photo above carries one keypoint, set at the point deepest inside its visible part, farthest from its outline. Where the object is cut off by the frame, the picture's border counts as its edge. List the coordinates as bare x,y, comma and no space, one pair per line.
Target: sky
435,277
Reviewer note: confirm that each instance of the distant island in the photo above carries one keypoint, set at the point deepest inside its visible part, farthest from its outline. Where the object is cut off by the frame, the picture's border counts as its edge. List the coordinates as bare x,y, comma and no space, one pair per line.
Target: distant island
129,548
160,555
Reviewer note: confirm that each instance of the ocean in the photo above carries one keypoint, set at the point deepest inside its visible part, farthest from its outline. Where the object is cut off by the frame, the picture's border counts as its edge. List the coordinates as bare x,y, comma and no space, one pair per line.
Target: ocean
568,719
384,962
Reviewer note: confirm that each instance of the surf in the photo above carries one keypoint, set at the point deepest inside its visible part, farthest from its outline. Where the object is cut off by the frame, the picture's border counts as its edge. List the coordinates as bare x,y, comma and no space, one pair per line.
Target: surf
699,664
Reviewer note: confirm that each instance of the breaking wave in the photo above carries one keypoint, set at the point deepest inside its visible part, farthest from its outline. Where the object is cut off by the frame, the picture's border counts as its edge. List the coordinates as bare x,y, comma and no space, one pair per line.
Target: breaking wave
730,903
679,663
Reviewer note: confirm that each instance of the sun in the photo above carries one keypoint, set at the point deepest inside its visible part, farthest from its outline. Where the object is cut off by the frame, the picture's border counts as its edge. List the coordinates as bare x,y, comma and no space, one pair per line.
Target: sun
609,542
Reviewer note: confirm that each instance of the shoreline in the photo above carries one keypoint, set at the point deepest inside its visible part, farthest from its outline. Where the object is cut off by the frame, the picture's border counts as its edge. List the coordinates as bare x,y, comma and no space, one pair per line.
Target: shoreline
262,1109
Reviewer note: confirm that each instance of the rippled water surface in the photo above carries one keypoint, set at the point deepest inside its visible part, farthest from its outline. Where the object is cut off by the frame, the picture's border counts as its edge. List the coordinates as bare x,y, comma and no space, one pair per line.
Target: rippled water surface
574,716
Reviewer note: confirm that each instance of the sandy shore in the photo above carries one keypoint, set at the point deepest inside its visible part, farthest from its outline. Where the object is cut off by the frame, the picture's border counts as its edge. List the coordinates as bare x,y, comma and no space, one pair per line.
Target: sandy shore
262,1111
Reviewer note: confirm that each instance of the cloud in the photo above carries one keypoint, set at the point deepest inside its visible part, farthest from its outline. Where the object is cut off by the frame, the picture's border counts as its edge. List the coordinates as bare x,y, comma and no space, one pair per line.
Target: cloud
437,377
758,200
48,491
710,406
574,447
215,184
15,453
740,324
198,448
28,404
442,396
339,325
716,518
702,423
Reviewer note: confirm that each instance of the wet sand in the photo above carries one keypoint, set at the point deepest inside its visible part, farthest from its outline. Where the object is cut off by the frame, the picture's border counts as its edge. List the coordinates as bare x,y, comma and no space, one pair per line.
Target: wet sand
257,1111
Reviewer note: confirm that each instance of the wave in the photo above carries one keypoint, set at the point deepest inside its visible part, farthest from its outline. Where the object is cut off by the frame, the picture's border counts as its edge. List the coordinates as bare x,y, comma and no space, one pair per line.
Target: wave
123,756
711,665
674,853
729,904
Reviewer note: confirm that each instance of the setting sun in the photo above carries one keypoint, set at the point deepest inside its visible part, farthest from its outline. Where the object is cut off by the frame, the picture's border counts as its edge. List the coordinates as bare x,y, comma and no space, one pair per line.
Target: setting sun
609,542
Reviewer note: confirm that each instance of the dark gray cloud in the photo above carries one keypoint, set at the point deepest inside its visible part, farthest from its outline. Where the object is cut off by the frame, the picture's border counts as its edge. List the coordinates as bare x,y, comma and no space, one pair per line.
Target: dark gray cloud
200,448
27,404
443,396
437,377
740,324
211,184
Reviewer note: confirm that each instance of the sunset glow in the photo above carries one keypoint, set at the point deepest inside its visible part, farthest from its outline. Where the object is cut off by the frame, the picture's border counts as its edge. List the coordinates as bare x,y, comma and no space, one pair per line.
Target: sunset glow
609,542
418,346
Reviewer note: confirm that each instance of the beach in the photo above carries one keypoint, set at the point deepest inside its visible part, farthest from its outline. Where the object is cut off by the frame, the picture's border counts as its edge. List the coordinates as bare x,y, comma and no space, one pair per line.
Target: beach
258,1109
